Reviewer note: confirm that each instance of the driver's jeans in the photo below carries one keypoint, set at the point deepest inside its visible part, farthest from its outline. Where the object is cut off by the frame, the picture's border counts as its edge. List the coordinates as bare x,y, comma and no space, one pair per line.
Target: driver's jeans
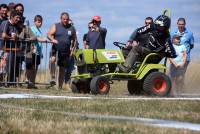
136,53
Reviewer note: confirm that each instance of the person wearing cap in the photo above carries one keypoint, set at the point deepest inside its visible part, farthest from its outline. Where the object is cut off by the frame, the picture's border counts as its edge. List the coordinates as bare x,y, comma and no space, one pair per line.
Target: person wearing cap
177,64
96,35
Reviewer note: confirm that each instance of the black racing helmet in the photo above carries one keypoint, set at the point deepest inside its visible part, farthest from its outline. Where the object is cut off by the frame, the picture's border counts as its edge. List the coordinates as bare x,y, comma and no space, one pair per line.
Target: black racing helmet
162,23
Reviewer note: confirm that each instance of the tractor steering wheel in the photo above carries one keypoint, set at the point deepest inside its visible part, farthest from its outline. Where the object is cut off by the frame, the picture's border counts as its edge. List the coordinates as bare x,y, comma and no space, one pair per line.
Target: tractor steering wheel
120,45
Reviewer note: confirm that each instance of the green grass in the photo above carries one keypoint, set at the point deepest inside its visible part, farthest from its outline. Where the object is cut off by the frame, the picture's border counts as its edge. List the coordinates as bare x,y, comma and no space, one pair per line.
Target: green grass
43,120
36,122
172,110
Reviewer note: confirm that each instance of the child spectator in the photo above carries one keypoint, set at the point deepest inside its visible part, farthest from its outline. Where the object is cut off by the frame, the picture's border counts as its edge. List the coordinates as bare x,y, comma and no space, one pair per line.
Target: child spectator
34,61
177,64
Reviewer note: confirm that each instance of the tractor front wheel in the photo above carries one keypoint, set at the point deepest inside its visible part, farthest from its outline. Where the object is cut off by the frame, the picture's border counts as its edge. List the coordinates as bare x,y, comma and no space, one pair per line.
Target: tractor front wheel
100,85
81,86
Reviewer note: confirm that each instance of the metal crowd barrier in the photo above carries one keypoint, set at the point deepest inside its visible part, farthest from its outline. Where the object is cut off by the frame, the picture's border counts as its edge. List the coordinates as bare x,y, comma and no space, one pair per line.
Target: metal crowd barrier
14,55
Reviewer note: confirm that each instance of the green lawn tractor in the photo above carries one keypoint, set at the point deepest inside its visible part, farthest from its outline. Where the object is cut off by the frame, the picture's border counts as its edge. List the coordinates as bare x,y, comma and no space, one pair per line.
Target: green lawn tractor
98,68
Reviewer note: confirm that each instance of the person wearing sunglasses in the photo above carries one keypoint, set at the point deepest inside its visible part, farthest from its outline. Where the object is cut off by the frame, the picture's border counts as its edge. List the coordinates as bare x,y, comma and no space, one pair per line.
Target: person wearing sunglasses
147,22
131,42
90,25
96,36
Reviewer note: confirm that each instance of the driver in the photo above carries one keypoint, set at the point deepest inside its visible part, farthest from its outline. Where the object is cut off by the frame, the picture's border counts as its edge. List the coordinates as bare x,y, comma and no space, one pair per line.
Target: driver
149,39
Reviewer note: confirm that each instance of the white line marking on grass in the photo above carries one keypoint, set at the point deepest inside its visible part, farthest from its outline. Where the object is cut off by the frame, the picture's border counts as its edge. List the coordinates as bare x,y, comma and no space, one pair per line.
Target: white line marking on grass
33,96
145,121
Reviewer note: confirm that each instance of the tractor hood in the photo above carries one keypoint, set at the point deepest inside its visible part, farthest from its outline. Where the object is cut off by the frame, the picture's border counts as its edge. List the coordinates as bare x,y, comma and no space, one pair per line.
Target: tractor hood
91,56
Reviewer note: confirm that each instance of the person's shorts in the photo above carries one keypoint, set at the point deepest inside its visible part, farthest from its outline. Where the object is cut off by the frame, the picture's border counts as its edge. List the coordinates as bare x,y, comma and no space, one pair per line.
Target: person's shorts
63,58
33,62
176,72
53,51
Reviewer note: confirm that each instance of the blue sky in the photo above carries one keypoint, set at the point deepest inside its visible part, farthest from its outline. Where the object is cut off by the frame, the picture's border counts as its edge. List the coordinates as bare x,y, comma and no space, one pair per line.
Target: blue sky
119,17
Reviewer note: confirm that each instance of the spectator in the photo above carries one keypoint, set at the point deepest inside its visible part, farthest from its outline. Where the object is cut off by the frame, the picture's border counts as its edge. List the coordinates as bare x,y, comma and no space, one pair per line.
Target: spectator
151,38
3,56
90,24
10,8
8,30
19,7
3,60
147,22
3,17
63,36
33,62
29,37
131,42
70,66
187,39
3,12
52,64
96,36
177,64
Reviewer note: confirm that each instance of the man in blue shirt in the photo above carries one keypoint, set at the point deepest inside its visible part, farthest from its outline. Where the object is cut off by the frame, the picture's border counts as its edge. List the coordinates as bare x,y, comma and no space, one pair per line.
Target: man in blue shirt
187,38
96,36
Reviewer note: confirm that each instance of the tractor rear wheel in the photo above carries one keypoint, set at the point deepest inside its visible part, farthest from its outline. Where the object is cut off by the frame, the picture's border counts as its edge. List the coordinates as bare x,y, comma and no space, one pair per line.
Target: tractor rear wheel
157,84
100,85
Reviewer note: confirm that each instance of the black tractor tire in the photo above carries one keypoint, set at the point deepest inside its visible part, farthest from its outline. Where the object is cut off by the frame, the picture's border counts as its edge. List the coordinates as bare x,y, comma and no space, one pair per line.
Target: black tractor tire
81,86
157,84
74,87
100,85
134,87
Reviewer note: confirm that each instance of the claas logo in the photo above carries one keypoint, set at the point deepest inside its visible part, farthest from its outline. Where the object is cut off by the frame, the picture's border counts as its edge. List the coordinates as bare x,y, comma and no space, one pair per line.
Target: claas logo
110,52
